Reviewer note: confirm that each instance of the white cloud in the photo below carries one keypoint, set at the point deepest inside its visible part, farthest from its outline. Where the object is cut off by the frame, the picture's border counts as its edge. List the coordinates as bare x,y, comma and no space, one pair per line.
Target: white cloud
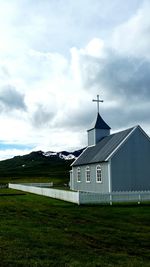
56,56
95,48
132,38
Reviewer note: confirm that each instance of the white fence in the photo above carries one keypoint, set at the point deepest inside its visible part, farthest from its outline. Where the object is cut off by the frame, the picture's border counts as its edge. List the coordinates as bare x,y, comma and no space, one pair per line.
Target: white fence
81,197
96,198
69,196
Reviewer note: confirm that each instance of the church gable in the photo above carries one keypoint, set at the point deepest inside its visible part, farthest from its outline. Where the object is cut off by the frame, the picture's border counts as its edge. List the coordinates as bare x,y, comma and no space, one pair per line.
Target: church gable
130,165
138,136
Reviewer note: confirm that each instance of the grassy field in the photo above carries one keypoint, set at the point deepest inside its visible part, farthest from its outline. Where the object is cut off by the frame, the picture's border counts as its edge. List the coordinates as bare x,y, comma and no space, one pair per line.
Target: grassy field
39,231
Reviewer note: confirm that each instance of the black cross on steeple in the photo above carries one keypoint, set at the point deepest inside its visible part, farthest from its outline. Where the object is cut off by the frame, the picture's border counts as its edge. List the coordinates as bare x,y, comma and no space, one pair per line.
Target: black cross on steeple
98,101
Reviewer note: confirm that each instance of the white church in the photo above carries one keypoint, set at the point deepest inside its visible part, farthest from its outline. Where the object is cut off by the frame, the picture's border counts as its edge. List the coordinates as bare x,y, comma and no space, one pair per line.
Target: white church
118,162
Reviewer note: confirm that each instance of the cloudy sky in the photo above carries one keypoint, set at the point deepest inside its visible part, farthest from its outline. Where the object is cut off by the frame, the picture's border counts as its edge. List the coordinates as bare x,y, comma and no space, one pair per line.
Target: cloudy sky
56,56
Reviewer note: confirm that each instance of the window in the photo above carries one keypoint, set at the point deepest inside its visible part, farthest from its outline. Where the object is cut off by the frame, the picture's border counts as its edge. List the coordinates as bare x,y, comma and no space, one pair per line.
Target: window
78,175
98,174
88,174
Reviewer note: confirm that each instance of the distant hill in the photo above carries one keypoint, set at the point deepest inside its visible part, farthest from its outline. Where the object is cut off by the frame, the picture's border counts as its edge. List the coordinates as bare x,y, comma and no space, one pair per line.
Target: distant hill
39,164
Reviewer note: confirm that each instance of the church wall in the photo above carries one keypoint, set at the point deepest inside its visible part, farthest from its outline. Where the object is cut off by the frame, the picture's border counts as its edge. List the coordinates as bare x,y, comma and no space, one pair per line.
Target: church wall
93,186
130,166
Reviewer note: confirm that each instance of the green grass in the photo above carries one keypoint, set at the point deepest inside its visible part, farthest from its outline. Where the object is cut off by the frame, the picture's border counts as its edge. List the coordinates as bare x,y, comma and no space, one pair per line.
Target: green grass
40,231
10,192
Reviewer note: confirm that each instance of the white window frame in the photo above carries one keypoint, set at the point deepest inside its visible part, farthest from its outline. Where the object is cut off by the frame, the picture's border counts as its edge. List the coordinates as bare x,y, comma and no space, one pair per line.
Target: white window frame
78,175
88,174
99,177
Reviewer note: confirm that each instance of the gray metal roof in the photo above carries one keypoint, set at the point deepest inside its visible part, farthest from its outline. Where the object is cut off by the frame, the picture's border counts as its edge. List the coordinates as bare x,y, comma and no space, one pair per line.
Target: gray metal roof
103,149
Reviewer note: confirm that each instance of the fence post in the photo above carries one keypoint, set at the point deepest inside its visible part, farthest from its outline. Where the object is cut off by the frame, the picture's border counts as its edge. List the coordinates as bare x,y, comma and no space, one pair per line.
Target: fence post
110,199
139,202
78,197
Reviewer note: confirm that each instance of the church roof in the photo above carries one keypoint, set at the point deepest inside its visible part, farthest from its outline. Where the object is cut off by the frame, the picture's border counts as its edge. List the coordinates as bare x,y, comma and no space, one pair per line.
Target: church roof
100,123
103,150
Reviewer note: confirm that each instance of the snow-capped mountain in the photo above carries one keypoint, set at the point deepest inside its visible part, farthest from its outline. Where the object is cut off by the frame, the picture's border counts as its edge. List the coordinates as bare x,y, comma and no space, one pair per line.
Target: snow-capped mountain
63,154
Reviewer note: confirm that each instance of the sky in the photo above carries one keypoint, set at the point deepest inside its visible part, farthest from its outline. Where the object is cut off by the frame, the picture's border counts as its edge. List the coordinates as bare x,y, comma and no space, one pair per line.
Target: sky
56,56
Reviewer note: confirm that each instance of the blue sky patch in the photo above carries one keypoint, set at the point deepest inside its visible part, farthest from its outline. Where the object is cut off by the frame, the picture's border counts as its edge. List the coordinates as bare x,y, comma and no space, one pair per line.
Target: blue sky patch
5,146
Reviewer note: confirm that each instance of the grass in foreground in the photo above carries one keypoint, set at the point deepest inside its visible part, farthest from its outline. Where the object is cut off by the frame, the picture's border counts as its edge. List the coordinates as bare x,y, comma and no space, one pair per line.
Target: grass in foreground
40,231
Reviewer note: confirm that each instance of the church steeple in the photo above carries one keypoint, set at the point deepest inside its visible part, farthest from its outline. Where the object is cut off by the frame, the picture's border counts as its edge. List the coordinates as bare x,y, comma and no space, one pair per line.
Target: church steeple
100,123
100,128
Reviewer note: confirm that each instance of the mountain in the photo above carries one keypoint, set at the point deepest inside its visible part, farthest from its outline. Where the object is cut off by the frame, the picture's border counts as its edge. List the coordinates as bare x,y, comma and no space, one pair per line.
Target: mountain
38,164
64,154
